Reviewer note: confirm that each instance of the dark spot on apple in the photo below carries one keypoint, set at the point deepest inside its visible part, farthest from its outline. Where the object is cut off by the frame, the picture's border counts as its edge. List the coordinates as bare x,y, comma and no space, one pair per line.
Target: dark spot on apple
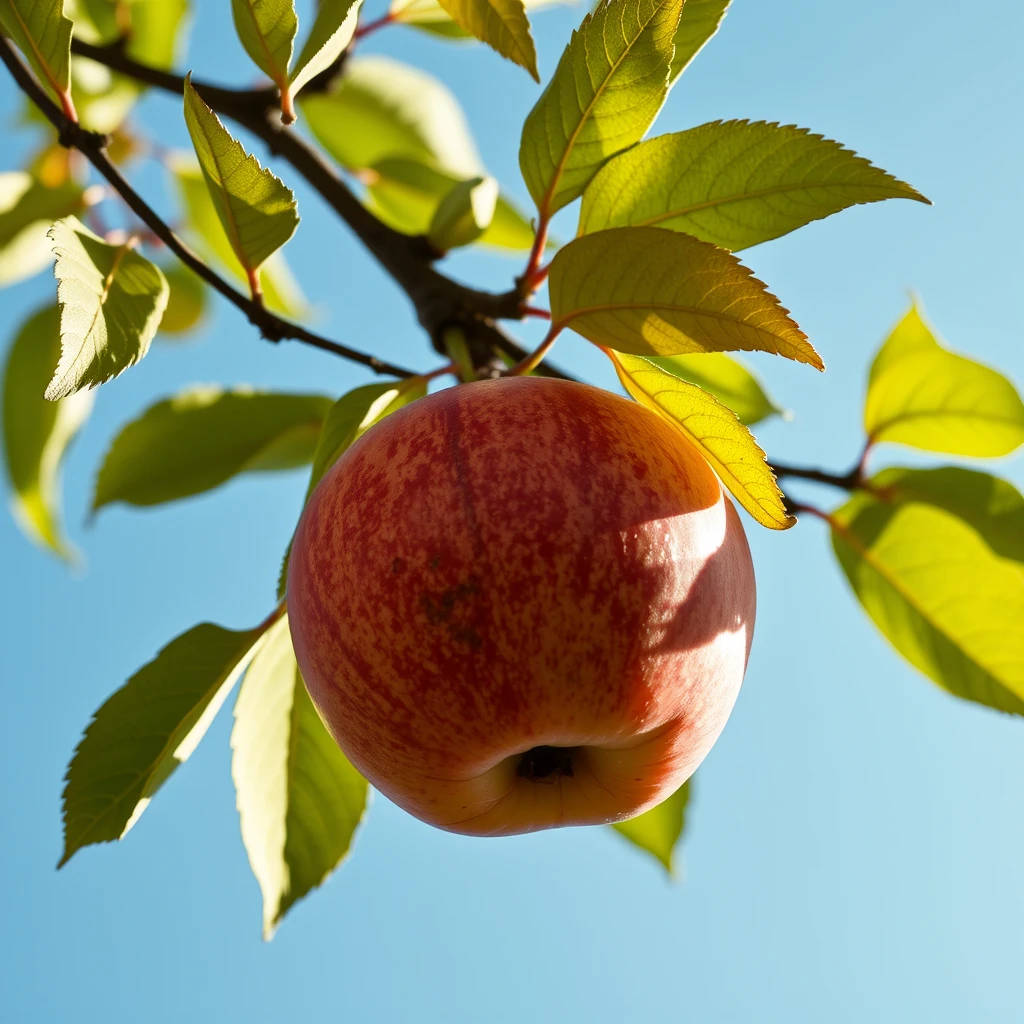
398,565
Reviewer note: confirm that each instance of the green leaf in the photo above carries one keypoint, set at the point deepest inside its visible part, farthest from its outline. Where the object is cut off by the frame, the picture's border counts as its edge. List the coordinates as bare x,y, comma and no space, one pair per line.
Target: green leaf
331,33
104,98
937,591
992,506
146,730
256,210
654,292
156,31
605,93
657,831
734,183
202,438
921,394
429,16
39,29
381,109
267,30
699,21
27,209
36,432
501,24
726,443
727,379
111,300
299,799
186,302
464,214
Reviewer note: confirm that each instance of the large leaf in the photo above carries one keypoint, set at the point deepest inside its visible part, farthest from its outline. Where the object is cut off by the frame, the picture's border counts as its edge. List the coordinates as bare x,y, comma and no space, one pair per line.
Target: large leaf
727,379
923,395
654,292
657,831
43,34
299,799
994,507
27,209
202,437
945,601
734,183
726,443
146,730
502,24
267,30
255,208
332,31
697,24
605,93
111,300
36,432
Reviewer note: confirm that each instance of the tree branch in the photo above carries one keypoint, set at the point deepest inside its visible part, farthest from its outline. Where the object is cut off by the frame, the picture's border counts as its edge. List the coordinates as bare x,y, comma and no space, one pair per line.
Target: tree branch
92,146
845,481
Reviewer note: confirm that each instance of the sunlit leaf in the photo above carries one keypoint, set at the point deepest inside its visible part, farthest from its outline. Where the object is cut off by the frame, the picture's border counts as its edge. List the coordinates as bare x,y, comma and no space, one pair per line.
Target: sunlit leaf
697,24
923,395
103,97
299,799
111,300
205,436
186,301
658,830
36,432
464,214
654,292
430,16
267,30
331,33
27,209
501,24
943,598
605,93
156,31
734,183
726,443
146,730
42,33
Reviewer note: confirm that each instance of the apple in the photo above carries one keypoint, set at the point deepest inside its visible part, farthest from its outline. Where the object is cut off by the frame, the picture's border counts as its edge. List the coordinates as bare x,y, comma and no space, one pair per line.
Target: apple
522,603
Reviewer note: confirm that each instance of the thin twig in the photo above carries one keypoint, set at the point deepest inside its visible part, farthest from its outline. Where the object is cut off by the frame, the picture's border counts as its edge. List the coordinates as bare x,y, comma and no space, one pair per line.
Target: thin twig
844,481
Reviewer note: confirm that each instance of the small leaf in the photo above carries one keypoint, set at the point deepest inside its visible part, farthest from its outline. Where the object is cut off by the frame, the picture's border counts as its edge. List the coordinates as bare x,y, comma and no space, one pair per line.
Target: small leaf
501,24
727,379
654,292
726,443
267,30
36,432
464,214
992,506
42,33
146,730
734,183
331,33
156,31
202,437
186,301
103,97
921,394
699,21
256,210
606,91
299,799
429,16
111,300
944,600
657,831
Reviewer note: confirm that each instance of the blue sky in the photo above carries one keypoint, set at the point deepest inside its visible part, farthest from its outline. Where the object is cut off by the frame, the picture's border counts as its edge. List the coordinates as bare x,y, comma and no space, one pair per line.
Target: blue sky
854,844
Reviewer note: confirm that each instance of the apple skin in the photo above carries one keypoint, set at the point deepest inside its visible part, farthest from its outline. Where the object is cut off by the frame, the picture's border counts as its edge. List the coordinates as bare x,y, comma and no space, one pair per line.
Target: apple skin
520,604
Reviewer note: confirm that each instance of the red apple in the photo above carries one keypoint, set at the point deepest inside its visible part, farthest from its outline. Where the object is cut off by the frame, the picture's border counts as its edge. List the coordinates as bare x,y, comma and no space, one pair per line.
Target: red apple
522,603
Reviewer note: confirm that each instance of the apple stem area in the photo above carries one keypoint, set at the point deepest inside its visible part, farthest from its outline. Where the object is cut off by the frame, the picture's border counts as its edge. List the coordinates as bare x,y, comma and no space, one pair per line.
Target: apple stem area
546,764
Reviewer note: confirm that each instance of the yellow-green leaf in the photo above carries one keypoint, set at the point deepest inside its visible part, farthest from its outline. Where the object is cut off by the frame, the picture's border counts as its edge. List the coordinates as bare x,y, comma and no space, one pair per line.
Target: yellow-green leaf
430,16
186,301
921,394
36,432
657,831
267,30
950,605
299,799
699,21
726,443
256,210
463,214
156,31
605,93
734,183
111,300
42,33
501,24
654,292
103,97
331,33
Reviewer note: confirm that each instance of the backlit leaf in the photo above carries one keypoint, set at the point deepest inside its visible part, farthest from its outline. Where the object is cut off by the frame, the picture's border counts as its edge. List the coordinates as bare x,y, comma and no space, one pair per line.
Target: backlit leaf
657,831
464,214
156,31
147,729
103,97
204,436
299,799
943,598
111,300
42,33
654,292
921,394
734,183
37,432
430,16
726,443
605,93
331,33
267,30
502,24
697,24
186,301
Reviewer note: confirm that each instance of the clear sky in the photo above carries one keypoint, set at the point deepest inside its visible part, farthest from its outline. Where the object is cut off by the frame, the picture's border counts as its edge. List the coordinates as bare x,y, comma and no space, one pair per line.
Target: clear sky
854,846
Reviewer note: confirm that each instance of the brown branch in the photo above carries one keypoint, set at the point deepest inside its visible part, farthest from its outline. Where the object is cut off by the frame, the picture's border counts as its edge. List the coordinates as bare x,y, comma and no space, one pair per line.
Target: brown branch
845,481
92,146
